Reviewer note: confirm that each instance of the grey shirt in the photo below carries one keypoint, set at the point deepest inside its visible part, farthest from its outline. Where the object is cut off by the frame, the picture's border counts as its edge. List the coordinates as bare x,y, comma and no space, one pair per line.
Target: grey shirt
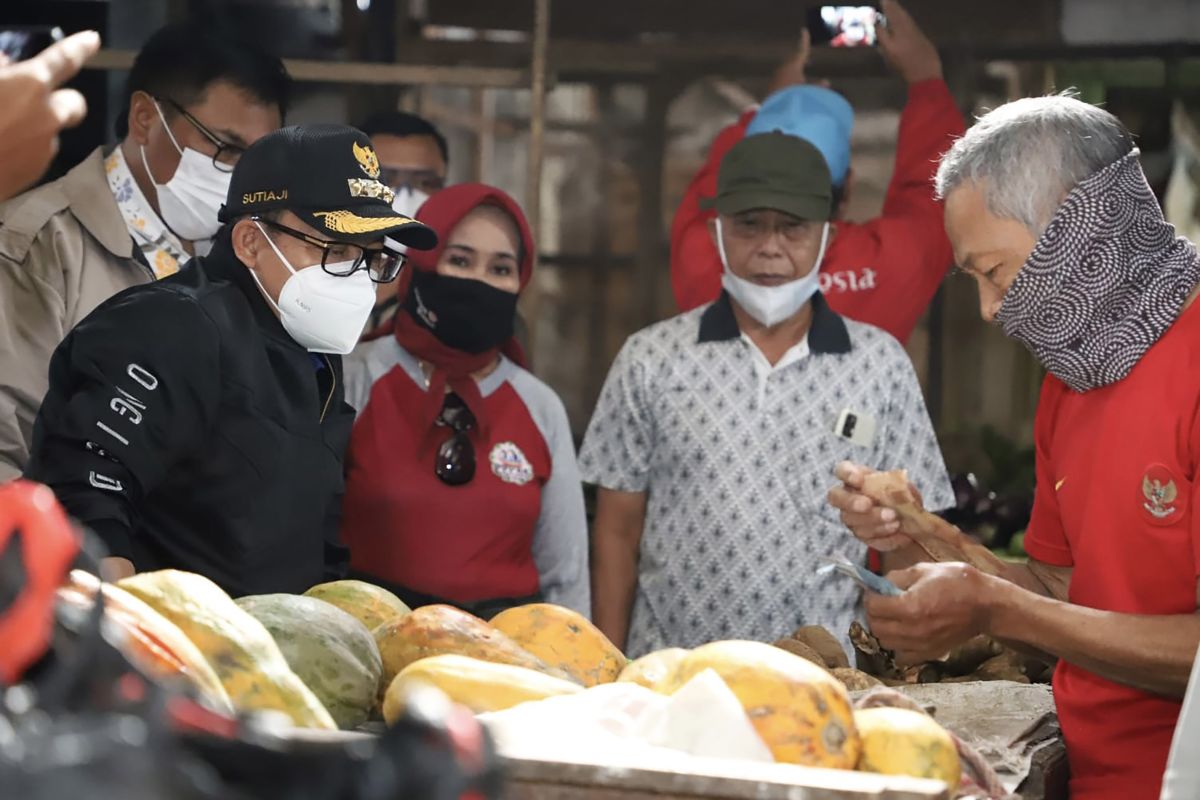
560,541
737,458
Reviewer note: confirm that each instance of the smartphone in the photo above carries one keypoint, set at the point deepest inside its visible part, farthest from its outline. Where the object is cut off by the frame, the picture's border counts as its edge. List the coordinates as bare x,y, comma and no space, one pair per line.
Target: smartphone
843,26
858,428
20,43
859,574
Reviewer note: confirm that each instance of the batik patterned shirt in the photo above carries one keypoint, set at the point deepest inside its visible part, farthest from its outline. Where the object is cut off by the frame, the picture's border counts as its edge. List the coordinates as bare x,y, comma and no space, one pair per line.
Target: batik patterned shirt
737,458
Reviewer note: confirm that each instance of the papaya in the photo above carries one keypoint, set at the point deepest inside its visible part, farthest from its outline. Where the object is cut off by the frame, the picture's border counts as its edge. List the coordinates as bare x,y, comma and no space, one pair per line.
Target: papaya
802,713
245,657
439,630
564,639
148,639
479,685
900,741
855,680
332,652
372,605
652,669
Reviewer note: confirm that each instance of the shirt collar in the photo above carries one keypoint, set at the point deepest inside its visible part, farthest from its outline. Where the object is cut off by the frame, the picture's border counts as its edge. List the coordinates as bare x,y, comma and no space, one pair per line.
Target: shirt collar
161,249
826,336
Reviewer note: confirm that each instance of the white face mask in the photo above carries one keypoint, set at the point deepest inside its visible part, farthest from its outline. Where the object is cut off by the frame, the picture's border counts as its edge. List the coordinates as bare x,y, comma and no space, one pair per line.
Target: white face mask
189,202
771,305
406,202
324,313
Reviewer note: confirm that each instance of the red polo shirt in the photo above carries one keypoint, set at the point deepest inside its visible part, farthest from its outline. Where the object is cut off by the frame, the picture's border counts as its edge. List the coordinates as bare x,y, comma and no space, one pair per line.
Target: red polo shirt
1116,488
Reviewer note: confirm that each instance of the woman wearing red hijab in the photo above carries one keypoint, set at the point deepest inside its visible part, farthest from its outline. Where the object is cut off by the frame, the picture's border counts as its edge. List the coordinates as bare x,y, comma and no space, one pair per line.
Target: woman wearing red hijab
461,483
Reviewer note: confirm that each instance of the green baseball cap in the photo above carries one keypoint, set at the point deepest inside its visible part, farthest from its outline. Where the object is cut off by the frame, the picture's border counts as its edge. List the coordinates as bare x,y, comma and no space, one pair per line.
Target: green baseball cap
774,171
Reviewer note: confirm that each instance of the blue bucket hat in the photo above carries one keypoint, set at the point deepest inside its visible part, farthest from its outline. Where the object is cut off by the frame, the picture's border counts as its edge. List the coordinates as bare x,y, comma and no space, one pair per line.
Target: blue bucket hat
813,113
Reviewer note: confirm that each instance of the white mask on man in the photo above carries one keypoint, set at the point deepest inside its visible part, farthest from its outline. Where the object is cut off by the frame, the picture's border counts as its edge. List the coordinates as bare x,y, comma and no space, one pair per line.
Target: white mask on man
190,200
771,305
324,313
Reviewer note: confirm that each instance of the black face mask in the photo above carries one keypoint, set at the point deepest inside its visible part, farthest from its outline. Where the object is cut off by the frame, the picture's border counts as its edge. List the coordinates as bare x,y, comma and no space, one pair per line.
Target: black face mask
463,313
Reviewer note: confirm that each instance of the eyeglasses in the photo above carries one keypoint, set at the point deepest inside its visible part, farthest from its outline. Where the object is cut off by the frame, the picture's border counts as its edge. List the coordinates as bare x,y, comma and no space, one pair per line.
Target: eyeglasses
455,464
381,264
426,180
227,154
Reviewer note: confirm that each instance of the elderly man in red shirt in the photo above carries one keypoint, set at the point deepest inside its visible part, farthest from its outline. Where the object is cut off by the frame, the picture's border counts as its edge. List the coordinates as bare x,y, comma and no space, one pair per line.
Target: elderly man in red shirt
1048,209
884,271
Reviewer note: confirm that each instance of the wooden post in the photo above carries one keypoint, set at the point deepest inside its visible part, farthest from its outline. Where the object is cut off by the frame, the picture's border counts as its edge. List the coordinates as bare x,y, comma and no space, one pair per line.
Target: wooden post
537,111
531,297
651,267
484,101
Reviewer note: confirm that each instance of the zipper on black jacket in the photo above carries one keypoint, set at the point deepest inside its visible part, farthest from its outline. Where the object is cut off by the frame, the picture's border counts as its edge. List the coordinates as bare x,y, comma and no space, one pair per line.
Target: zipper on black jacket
332,386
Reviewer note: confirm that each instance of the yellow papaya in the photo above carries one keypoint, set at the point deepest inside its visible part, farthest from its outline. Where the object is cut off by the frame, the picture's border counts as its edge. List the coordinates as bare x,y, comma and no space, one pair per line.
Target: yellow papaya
652,669
246,658
370,604
900,741
802,713
439,630
564,639
479,685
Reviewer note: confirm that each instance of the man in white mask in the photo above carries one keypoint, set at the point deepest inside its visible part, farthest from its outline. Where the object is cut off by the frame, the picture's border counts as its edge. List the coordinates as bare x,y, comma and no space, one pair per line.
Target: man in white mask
198,422
717,431
413,161
130,214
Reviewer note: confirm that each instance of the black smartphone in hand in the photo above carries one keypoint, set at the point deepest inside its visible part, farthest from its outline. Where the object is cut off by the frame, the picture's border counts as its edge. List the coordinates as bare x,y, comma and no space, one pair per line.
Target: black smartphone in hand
843,26
22,42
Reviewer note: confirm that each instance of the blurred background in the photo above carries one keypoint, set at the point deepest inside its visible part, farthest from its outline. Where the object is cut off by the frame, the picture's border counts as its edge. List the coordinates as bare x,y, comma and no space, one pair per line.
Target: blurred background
636,91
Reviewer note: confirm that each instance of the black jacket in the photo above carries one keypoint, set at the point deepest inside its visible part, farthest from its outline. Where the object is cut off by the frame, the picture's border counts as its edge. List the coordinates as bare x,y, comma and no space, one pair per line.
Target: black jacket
187,428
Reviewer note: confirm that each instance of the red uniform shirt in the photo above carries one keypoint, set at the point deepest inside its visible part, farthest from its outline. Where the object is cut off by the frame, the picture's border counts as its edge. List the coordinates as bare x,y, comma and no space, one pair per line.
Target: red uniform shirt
1116,487
517,529
883,272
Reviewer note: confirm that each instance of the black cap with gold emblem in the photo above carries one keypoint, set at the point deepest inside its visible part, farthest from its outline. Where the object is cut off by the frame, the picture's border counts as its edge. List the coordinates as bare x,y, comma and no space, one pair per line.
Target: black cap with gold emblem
328,175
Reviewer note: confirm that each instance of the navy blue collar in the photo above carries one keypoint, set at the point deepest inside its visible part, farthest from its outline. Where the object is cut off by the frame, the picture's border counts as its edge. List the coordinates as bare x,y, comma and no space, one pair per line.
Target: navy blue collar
827,335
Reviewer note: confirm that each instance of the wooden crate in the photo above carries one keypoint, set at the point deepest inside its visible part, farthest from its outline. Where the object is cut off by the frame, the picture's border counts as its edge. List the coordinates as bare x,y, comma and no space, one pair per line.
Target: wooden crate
547,780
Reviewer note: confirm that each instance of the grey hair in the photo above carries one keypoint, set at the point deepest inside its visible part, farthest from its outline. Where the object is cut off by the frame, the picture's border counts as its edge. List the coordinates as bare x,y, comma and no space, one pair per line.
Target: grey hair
1027,155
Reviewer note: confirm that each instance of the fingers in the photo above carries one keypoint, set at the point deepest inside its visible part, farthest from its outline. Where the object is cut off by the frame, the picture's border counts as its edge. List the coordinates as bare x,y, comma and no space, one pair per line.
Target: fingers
59,62
886,615
858,506
905,578
895,13
851,474
805,46
68,108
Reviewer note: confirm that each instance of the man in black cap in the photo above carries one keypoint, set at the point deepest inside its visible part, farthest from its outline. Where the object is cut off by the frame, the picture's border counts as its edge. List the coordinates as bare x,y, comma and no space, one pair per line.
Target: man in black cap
716,434
197,423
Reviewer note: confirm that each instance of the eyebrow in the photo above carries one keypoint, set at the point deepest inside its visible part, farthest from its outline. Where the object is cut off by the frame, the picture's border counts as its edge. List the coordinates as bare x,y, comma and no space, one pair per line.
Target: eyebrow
473,251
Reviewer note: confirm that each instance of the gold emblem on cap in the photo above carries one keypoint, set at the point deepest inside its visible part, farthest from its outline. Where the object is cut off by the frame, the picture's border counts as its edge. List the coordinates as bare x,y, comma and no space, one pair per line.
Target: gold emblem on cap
349,222
361,187
367,160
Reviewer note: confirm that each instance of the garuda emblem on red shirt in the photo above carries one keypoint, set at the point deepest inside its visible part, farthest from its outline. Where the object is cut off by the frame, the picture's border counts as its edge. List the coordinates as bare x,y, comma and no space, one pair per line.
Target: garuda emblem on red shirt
1160,496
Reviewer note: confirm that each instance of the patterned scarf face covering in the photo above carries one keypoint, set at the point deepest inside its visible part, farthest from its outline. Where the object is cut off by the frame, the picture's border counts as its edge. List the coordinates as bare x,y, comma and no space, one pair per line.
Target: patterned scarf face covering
1105,281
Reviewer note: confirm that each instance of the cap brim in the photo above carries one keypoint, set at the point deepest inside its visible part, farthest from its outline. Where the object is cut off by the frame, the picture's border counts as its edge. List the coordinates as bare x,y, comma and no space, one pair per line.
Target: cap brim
804,206
369,223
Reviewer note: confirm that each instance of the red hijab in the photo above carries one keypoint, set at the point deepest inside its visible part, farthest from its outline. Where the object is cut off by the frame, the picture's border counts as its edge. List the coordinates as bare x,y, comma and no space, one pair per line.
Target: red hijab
443,212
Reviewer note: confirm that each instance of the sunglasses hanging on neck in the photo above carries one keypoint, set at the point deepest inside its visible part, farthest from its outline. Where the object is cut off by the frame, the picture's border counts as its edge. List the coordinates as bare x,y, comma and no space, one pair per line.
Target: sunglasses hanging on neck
455,464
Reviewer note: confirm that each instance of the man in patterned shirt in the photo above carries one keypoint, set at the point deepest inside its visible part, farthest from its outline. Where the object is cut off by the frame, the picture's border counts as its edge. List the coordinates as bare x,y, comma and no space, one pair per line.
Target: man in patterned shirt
717,431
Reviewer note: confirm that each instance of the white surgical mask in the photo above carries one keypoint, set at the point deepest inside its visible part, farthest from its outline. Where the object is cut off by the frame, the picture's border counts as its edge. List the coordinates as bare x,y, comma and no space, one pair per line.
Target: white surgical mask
189,202
771,305
324,313
406,202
